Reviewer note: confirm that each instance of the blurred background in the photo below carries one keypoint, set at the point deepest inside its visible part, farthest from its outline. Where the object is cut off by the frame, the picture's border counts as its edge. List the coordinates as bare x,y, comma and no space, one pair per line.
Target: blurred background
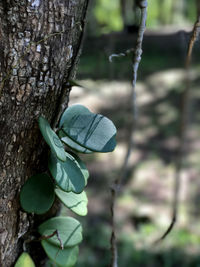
144,204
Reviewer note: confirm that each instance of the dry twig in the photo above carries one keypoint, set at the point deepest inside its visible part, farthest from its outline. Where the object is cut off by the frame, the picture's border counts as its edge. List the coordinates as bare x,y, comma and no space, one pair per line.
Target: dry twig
126,53
183,127
118,181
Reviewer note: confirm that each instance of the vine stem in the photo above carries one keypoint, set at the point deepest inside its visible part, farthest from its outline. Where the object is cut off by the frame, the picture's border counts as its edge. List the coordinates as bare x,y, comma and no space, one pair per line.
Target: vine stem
117,183
184,110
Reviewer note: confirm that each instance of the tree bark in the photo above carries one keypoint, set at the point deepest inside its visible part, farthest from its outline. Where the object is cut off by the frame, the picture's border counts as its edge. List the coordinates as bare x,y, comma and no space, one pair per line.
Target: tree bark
39,47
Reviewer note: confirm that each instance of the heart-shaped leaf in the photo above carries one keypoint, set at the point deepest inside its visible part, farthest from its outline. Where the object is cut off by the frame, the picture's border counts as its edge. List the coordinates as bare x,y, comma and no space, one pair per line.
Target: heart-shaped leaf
75,202
66,257
68,174
52,139
70,111
37,194
69,142
68,229
24,260
92,131
82,166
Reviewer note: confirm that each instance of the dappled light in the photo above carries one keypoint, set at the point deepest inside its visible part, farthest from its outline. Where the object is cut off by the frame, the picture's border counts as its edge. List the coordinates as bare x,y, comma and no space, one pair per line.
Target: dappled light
100,133
144,205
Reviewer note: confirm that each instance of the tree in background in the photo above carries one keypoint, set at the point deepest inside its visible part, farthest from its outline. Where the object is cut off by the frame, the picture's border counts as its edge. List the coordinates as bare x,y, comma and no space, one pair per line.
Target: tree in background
39,48
115,15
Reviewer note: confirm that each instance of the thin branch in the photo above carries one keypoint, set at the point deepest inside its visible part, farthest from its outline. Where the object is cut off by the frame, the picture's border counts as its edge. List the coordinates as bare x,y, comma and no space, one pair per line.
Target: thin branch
114,252
44,237
118,181
136,62
56,232
126,53
182,128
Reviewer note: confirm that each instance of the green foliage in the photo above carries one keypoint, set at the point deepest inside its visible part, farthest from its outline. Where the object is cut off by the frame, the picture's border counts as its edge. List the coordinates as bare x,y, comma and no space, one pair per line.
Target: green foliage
69,230
75,202
108,15
92,131
85,132
52,139
82,166
66,257
37,194
74,83
153,14
192,9
68,174
73,144
72,111
24,260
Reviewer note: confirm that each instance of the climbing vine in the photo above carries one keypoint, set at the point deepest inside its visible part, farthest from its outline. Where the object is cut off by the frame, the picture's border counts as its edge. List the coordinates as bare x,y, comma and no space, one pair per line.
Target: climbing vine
80,131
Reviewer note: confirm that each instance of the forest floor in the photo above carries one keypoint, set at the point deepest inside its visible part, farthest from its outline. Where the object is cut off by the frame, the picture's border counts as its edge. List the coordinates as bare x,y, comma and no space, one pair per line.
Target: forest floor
144,204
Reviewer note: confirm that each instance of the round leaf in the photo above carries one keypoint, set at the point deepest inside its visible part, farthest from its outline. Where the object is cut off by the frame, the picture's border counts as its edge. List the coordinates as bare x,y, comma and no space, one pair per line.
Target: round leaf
82,166
37,194
71,111
92,131
67,174
52,139
69,231
62,258
24,261
75,202
75,146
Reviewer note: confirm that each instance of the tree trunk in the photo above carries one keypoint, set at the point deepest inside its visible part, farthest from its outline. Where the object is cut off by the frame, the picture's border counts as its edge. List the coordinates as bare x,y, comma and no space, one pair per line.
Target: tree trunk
39,47
123,11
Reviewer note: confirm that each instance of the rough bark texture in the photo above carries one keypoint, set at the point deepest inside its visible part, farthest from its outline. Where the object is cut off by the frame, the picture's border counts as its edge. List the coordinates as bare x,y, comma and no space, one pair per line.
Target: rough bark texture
39,44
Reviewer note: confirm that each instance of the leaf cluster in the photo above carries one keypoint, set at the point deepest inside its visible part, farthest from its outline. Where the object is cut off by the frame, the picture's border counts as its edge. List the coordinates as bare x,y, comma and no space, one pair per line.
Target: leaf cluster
80,131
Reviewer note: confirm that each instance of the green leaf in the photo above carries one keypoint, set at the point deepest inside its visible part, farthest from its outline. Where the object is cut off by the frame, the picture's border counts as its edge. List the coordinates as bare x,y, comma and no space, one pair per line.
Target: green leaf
63,258
92,131
69,142
75,202
69,113
69,230
37,194
24,260
67,174
82,166
52,139
74,83
50,263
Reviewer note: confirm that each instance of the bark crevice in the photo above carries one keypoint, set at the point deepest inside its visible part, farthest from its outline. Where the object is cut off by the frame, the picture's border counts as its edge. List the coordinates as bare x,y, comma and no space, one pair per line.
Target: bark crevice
38,41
